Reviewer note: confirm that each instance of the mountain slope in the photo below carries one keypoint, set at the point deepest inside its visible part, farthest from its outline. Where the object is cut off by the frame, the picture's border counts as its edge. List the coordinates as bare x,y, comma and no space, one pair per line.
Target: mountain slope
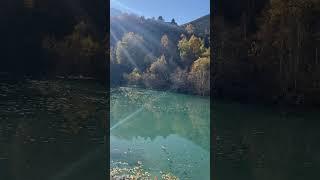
152,30
201,25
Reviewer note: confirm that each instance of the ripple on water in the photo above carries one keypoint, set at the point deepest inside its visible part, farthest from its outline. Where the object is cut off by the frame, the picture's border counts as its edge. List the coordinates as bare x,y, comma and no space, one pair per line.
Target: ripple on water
50,111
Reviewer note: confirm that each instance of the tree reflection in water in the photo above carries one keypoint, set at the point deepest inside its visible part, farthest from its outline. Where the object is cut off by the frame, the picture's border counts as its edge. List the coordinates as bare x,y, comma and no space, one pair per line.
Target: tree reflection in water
171,133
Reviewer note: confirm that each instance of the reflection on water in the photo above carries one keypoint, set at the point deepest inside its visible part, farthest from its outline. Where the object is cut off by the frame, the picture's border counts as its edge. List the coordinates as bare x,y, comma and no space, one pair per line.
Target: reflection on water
52,130
166,132
260,143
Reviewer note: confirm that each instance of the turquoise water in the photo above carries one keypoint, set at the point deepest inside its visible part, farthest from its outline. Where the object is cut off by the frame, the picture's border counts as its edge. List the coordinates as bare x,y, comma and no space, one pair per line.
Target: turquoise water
166,132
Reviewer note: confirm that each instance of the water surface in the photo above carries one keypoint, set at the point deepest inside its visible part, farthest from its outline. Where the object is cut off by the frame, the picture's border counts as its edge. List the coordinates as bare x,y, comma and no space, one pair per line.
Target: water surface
52,130
262,143
166,132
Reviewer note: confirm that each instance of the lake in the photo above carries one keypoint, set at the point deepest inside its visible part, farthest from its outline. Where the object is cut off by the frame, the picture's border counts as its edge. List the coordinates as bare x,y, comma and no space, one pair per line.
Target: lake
55,130
166,132
52,130
257,142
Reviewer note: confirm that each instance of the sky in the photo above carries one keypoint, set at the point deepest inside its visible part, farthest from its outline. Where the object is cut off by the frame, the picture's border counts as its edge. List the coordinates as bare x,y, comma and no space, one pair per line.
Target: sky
182,11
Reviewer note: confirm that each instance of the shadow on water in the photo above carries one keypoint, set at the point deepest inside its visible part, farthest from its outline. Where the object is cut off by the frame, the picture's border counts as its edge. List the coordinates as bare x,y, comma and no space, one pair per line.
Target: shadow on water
261,143
52,130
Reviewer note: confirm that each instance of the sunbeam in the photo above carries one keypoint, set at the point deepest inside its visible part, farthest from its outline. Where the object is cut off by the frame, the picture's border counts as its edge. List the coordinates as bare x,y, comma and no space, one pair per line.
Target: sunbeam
136,112
126,118
141,46
146,34
125,52
121,6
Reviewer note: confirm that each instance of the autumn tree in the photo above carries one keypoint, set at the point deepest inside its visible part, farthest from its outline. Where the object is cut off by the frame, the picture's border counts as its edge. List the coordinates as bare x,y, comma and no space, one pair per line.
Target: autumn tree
190,49
190,29
160,68
134,77
166,45
77,52
157,76
199,76
287,47
130,52
165,41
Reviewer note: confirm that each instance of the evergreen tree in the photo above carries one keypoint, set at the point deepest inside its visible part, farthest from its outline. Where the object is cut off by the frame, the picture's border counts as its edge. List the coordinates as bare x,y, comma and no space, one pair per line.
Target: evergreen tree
160,18
173,22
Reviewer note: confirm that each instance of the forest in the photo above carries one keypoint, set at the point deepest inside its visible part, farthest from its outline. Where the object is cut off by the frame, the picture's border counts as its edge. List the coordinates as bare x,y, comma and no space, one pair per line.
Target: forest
267,51
156,54
262,51
41,43
49,38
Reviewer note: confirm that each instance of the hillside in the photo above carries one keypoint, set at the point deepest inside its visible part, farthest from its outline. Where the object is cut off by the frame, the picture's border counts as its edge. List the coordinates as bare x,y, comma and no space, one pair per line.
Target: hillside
151,30
201,25
160,55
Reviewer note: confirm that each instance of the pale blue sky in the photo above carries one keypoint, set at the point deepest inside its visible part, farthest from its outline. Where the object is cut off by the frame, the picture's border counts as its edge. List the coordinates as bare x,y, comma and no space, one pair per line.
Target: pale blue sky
182,11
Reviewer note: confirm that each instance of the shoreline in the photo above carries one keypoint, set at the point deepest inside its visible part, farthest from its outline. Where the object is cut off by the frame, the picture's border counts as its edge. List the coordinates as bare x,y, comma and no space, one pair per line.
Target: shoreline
269,103
160,90
276,107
